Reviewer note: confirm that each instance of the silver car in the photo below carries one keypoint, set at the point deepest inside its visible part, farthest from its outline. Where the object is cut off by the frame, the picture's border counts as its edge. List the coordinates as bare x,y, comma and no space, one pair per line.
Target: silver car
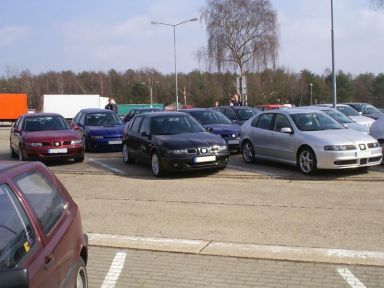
352,113
307,138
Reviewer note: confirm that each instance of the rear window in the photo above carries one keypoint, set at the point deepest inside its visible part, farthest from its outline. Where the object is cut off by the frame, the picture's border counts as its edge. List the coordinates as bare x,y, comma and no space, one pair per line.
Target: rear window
16,234
44,198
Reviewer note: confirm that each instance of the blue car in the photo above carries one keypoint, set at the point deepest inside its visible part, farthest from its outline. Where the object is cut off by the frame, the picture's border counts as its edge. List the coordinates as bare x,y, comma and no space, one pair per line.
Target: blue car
100,129
217,123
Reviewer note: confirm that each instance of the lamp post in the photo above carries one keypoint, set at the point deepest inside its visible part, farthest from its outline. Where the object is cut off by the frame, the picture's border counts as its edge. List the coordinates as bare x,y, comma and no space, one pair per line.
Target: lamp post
334,96
174,50
310,85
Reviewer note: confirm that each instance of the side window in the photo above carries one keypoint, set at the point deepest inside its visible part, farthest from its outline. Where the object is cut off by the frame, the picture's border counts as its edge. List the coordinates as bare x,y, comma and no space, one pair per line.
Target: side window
265,121
76,118
230,114
17,237
254,122
19,123
46,201
281,121
136,124
82,119
145,127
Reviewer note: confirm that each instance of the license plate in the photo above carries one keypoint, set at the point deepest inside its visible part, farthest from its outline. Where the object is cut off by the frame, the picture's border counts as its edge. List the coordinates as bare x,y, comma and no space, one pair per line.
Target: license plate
115,142
364,154
57,150
205,159
231,142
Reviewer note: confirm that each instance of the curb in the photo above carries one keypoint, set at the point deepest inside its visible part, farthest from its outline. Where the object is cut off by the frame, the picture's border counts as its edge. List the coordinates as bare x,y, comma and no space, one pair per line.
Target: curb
239,250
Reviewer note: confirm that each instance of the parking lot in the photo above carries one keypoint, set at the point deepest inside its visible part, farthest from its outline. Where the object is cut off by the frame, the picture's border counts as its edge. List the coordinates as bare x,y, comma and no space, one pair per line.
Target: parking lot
266,204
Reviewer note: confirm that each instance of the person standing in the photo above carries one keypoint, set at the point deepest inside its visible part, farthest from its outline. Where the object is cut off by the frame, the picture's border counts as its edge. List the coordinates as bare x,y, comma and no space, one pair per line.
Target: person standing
235,100
111,105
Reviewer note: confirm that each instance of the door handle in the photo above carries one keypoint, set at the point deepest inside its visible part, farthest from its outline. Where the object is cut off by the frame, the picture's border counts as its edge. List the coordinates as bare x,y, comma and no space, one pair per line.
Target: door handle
49,261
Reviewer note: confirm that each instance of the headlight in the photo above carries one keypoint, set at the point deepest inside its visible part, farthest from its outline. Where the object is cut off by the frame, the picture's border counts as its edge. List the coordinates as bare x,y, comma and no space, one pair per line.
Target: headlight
97,137
35,144
218,148
339,147
74,142
374,145
178,152
233,135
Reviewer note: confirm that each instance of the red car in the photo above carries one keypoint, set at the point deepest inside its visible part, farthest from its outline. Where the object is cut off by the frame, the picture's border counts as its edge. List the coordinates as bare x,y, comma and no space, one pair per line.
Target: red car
45,136
41,238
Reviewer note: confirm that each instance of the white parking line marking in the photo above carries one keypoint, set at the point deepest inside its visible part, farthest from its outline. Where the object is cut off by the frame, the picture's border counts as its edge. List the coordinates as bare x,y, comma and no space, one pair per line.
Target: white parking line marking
109,167
115,270
253,170
350,278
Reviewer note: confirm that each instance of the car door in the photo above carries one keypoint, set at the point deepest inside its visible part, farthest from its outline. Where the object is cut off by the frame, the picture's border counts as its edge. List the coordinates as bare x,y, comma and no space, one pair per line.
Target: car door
144,139
50,208
261,134
15,134
282,144
132,138
27,249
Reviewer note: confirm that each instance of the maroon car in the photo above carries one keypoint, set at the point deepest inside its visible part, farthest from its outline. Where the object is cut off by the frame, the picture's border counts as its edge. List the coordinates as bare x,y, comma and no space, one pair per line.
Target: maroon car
41,238
45,136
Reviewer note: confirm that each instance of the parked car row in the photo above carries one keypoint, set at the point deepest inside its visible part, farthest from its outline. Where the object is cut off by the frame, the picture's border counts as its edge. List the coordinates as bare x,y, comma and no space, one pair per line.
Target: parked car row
202,138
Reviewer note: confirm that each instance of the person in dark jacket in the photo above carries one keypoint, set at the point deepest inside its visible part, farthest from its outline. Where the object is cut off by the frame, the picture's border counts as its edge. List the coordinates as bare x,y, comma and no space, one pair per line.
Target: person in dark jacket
235,100
111,105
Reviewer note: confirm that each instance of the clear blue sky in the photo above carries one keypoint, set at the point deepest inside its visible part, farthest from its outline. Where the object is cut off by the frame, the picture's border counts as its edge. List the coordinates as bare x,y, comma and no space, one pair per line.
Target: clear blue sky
43,35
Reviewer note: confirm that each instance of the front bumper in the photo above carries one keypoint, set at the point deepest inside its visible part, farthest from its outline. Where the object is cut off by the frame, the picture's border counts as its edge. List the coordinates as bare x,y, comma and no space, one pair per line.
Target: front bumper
50,152
349,159
113,144
190,162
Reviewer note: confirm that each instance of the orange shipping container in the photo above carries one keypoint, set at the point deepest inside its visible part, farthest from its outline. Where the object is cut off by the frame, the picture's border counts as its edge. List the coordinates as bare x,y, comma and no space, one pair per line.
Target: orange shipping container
12,106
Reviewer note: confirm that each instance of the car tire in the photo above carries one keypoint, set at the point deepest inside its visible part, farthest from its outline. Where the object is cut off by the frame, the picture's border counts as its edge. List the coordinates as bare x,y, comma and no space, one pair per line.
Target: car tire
13,153
81,275
79,158
157,168
86,145
126,157
306,161
248,152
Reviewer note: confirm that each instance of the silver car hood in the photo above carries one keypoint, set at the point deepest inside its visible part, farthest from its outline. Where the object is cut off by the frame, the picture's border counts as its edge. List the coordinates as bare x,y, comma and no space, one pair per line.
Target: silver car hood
364,120
337,137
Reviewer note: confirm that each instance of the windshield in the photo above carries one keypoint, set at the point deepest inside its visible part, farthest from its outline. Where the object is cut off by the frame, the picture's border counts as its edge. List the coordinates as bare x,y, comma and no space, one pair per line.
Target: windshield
102,119
168,125
347,110
315,122
369,109
45,123
338,116
210,117
244,114
16,235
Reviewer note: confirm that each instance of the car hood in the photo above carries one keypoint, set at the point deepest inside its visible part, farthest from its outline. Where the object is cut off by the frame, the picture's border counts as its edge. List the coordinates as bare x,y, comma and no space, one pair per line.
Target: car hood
358,127
105,130
364,120
188,140
377,128
223,128
46,136
338,137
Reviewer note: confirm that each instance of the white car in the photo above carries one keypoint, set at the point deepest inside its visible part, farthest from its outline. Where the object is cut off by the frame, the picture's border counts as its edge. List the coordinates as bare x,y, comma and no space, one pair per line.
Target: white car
352,113
307,138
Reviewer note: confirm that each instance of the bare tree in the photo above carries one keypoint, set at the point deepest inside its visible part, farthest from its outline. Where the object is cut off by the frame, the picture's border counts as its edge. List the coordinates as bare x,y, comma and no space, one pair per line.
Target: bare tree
242,34
376,4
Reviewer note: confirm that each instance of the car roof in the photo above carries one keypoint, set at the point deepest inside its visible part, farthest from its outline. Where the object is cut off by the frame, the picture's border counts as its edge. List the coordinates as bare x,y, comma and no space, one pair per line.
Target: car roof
5,165
157,114
196,109
40,114
295,110
95,110
238,107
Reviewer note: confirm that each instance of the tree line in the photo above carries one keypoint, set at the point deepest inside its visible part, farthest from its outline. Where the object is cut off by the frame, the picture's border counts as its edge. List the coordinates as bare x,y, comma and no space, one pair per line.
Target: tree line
201,89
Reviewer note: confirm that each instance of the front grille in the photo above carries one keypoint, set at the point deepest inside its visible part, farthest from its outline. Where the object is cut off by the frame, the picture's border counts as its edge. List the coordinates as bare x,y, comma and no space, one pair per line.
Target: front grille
375,159
363,161
345,162
192,151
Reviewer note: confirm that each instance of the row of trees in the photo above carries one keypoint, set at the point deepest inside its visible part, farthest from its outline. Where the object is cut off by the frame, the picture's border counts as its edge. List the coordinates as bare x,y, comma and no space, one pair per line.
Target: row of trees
200,89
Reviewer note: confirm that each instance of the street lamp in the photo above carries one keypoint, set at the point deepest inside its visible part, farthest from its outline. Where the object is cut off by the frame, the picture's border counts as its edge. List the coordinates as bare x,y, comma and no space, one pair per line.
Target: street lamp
333,61
310,85
174,49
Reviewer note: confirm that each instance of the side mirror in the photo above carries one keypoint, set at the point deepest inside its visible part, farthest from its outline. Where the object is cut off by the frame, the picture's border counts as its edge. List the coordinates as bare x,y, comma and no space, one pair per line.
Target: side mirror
287,130
145,134
14,278
75,127
208,129
16,130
